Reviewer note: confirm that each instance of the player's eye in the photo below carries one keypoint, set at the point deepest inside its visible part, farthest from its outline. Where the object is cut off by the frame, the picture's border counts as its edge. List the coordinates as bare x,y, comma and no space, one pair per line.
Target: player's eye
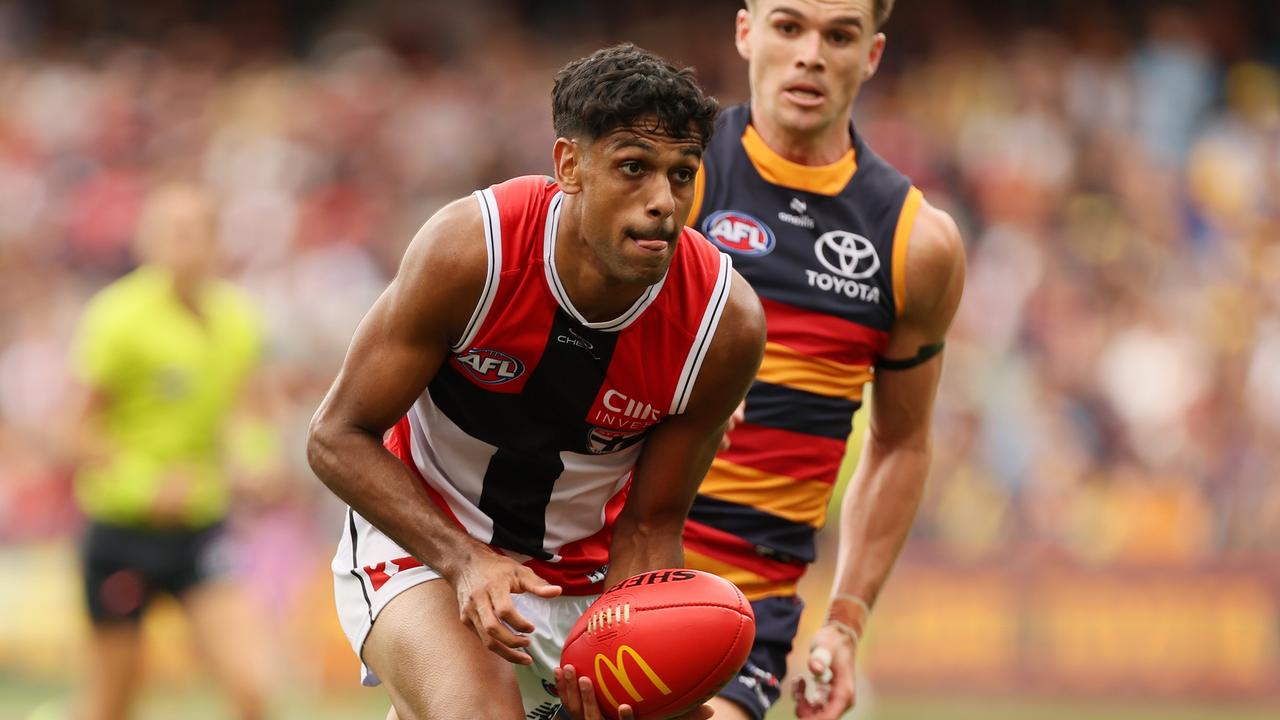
630,167
840,38
683,175
788,28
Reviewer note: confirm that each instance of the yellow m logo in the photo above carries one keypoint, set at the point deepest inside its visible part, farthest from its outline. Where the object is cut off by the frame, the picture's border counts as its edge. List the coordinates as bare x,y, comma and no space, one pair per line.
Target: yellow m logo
619,671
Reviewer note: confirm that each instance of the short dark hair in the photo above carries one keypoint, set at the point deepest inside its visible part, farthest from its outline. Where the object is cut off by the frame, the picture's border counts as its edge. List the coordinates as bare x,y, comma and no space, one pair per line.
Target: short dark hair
623,86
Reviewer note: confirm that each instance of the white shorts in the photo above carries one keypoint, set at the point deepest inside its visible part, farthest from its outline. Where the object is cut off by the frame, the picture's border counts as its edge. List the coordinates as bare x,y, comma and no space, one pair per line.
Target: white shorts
369,570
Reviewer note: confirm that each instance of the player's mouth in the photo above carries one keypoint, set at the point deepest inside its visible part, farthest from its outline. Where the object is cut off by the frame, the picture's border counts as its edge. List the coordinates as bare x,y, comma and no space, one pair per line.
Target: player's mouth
655,241
803,94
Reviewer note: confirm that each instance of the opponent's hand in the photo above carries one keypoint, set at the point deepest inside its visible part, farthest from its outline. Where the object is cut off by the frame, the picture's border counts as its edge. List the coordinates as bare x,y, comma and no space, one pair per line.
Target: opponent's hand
826,690
579,698
739,416
484,587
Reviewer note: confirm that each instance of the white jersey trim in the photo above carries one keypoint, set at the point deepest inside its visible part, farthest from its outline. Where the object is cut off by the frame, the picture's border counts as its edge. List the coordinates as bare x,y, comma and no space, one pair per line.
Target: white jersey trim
562,296
706,332
493,270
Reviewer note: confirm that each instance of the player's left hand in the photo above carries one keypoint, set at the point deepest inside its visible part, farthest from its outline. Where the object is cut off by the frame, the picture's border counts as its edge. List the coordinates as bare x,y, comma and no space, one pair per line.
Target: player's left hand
831,651
579,698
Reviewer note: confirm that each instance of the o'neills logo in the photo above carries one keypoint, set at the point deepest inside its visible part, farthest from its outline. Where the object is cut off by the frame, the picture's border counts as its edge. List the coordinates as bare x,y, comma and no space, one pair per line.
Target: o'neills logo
618,670
490,367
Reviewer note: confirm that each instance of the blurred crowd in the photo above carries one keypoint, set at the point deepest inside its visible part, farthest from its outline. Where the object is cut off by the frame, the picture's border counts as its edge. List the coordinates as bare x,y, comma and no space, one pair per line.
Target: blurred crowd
1112,391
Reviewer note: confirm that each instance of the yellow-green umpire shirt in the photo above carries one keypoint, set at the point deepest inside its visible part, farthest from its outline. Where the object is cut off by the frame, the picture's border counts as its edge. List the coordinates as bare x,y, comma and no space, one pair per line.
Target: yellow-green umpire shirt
170,382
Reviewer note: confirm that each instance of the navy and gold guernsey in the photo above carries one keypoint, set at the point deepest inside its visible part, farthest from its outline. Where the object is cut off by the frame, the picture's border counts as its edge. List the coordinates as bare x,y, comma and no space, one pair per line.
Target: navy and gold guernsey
824,248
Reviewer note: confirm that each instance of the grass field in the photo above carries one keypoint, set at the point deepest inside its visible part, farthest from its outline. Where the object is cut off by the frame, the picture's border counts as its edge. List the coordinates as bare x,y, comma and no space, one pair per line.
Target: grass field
27,702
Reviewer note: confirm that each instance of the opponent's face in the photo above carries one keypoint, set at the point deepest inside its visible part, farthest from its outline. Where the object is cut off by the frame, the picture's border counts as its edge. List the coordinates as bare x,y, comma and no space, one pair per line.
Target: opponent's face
808,58
636,191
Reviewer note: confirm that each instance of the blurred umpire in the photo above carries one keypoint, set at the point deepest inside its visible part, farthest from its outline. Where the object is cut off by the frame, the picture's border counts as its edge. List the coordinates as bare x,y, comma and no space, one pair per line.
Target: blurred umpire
163,353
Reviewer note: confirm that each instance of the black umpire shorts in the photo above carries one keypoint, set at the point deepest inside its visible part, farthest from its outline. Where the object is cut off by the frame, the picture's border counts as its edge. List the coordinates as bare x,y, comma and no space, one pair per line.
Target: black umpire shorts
125,567
759,683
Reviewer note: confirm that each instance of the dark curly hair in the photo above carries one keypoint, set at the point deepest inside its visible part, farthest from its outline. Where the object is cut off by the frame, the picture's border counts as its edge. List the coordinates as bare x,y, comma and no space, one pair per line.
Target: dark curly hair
624,86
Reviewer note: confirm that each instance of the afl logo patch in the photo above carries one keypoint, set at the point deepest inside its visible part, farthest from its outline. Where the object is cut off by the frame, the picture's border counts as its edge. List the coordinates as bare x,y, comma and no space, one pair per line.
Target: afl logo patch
739,233
489,367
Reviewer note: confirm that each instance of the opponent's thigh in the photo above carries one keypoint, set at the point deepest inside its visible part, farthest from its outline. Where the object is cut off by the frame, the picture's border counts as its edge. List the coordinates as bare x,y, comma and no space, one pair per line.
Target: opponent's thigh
433,667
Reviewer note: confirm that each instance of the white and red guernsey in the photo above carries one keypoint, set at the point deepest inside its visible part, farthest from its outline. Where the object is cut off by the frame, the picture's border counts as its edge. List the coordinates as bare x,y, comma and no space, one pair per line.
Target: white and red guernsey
528,434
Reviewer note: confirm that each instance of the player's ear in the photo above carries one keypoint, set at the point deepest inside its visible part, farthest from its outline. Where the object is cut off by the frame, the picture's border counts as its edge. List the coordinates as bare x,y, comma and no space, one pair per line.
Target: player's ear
873,58
568,156
742,33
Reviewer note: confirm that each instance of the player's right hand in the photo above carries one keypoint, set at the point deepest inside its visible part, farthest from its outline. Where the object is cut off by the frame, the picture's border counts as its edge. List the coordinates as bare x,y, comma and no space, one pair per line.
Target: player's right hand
579,698
484,587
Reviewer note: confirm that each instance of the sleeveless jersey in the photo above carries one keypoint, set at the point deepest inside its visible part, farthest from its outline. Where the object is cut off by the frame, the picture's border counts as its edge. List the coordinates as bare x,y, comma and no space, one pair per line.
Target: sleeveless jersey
824,248
527,435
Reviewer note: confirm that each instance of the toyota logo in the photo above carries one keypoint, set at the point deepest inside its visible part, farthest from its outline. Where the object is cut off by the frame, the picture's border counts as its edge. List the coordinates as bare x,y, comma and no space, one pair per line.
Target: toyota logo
847,255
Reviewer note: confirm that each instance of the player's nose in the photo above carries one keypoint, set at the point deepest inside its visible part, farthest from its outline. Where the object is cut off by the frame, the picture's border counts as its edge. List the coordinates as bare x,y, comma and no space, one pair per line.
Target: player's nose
661,202
808,49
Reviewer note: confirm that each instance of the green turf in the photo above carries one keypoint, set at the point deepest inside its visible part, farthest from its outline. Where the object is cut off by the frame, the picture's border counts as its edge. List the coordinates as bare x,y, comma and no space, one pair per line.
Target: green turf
25,701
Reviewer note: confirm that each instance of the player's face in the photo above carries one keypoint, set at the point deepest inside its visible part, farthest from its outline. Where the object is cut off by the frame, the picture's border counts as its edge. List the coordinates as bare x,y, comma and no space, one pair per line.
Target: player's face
637,191
807,59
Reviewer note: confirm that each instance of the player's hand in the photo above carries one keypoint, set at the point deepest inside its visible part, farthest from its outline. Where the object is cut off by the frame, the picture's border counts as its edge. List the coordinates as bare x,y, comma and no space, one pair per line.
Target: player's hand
739,415
579,698
484,587
826,690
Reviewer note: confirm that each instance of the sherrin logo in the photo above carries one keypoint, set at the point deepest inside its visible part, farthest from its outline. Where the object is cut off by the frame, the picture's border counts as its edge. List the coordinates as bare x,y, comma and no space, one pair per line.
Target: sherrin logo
618,669
490,367
739,233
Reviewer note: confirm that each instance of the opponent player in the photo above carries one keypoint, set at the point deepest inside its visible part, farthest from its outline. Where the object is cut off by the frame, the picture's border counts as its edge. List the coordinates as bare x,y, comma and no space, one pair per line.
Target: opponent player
163,353
857,275
556,361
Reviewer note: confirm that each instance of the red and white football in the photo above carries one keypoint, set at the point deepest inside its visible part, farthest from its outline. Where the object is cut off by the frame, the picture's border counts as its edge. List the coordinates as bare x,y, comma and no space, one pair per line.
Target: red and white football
662,642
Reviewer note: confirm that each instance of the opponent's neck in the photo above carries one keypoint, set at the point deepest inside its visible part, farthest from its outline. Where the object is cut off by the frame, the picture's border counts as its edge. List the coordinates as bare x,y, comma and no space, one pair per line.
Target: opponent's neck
822,148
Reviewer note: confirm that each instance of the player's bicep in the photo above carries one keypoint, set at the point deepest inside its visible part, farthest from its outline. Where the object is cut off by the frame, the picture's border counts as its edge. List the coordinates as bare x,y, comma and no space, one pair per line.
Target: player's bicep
908,372
402,341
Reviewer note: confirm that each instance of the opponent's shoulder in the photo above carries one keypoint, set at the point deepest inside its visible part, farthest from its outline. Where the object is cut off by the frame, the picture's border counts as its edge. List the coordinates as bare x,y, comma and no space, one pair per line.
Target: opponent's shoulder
935,265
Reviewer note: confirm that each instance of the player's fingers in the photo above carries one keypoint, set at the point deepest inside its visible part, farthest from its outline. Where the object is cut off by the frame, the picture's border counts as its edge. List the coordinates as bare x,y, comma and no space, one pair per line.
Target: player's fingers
567,688
499,639
590,708
506,612
527,580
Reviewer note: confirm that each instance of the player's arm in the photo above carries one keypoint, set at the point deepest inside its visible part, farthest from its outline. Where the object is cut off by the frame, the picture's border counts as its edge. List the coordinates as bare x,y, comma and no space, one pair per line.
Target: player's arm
679,450
880,505
396,351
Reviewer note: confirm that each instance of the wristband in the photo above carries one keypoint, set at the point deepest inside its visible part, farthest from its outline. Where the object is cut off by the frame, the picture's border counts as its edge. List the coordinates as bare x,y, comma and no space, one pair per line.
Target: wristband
845,629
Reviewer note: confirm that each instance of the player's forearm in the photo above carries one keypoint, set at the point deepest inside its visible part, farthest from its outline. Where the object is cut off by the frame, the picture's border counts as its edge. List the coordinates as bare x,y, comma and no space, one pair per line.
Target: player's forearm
376,484
876,515
641,546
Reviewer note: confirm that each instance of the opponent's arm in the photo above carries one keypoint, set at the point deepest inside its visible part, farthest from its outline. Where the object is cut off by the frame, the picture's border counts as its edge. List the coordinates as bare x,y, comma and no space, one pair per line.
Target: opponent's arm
679,450
396,351
880,504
